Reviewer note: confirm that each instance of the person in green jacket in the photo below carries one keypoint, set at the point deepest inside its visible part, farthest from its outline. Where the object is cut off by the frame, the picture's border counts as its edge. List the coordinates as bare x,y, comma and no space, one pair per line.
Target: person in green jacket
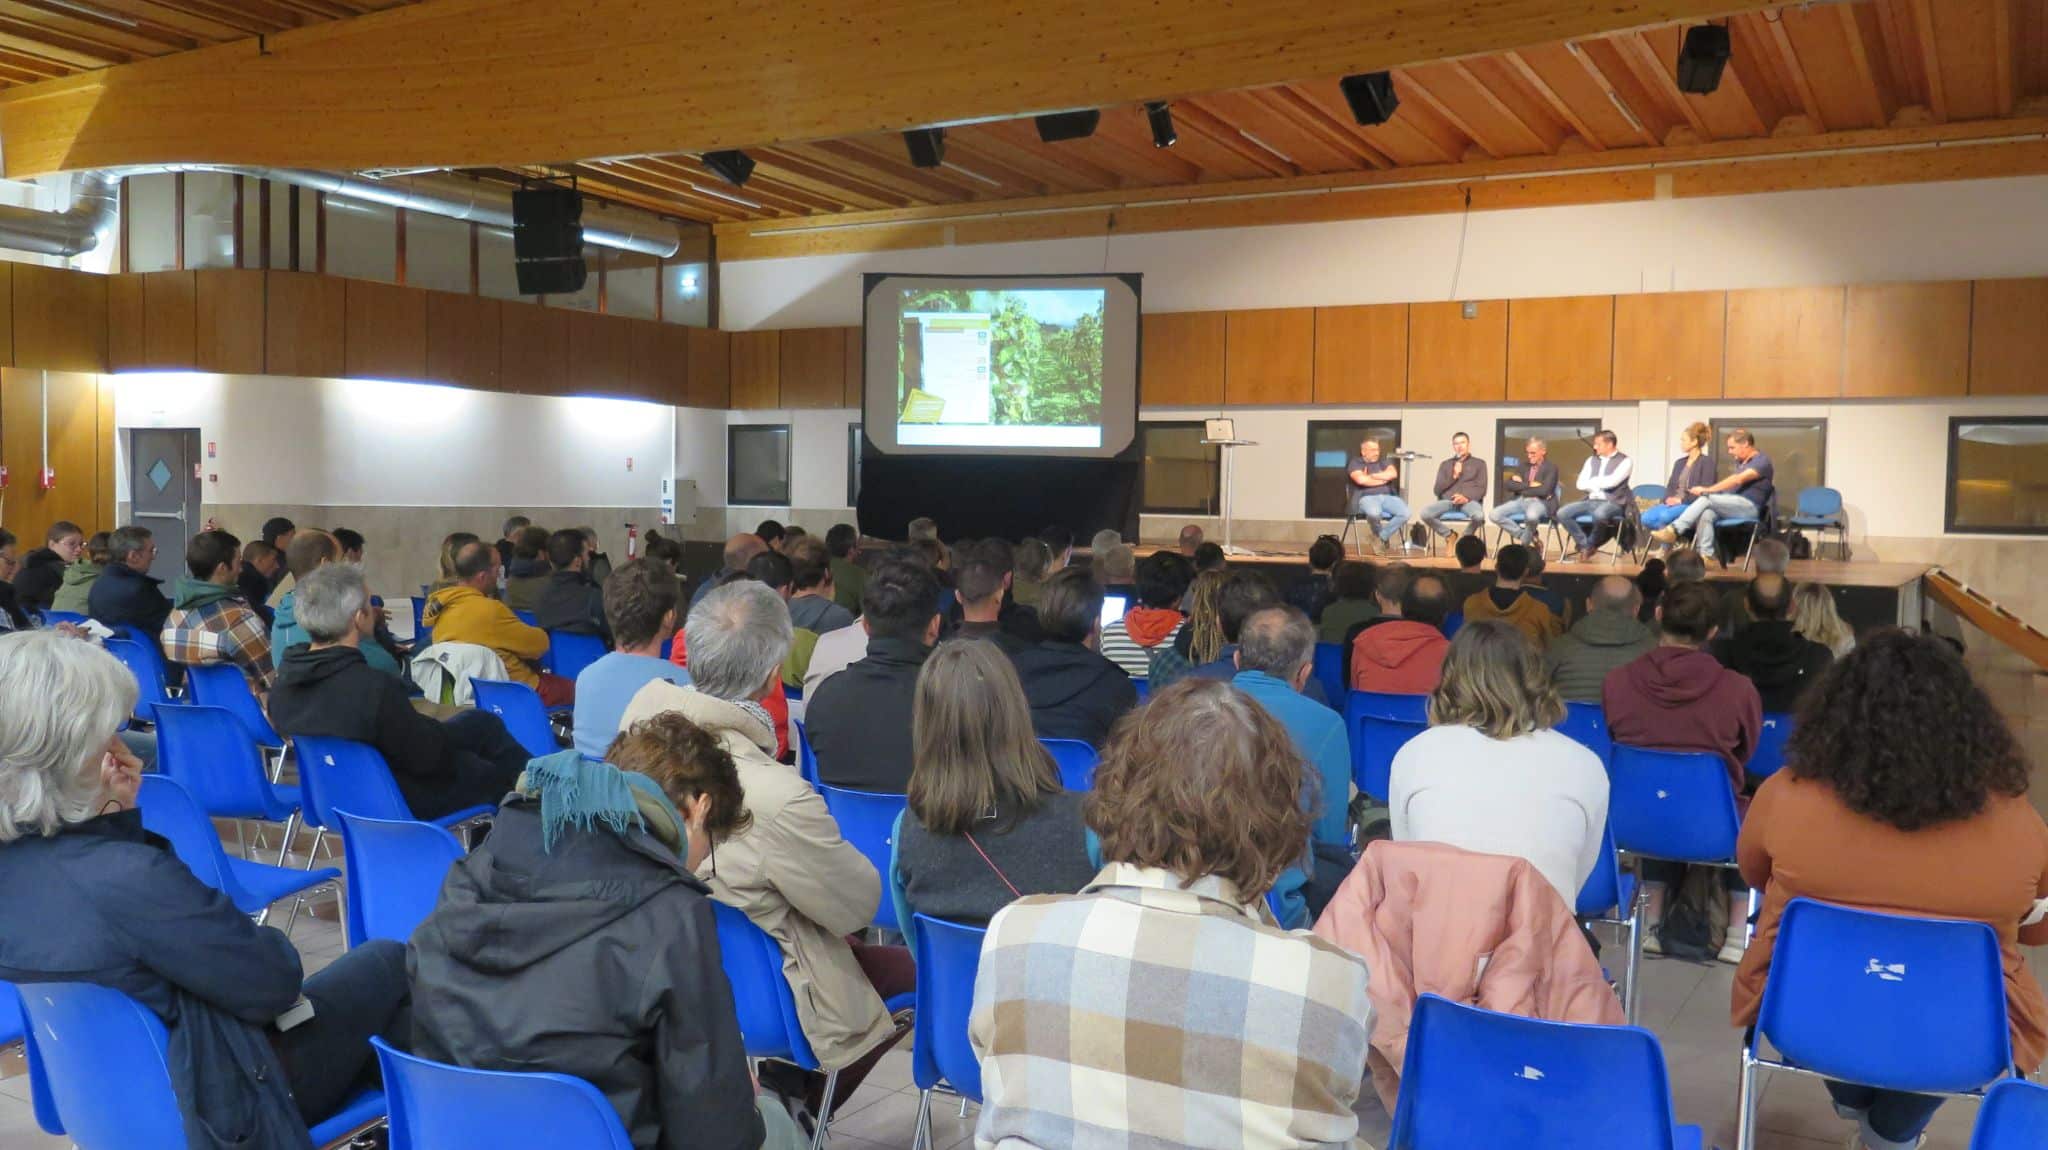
79,575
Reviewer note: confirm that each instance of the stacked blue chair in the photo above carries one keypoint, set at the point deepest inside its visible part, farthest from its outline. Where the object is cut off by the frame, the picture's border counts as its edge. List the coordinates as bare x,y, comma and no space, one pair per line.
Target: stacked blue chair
1076,760
435,1106
1881,1000
168,810
868,820
80,1031
147,665
1379,726
1769,757
1474,1078
1586,724
395,871
572,652
1329,670
1609,896
947,955
520,706
223,685
2014,1117
209,751
1820,509
337,775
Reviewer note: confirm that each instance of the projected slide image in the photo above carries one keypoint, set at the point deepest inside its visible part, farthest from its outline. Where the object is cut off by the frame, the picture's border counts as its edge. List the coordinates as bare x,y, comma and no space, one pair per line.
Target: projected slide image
1012,367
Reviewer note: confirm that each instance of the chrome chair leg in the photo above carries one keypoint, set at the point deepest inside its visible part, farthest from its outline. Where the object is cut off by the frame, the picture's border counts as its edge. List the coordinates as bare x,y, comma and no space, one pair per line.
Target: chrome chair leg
825,1110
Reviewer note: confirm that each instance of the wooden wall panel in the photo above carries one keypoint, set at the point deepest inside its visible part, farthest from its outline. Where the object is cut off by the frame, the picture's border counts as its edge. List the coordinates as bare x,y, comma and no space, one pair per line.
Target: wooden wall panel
1269,356
125,348
813,362
6,313
1452,359
1183,359
60,319
710,381
105,442
229,321
659,362
533,349
1362,354
386,335
1561,350
1668,345
464,340
599,359
856,368
170,320
1907,339
1785,343
82,464
756,370
2009,337
305,324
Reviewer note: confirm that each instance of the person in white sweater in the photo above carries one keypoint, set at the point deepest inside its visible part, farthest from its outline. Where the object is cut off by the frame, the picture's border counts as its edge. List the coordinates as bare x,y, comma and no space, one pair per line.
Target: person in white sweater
1491,775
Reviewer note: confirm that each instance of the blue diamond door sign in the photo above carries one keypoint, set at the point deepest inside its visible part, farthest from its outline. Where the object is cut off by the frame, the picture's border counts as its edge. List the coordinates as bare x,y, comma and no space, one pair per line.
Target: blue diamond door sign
160,475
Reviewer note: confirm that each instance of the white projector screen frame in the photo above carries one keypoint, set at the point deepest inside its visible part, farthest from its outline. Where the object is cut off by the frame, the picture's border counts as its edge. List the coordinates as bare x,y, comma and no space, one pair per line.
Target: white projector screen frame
881,327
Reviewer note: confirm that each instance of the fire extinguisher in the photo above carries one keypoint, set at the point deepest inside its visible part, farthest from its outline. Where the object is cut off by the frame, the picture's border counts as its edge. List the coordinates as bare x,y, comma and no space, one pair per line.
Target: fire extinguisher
632,542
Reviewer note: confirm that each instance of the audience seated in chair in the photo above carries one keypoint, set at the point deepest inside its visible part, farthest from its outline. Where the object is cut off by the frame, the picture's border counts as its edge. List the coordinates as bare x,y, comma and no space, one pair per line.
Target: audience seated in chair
772,570
210,622
1532,585
614,966
1471,577
279,533
1074,692
74,594
12,617
307,552
811,609
988,821
1200,638
1243,592
1769,651
640,611
1314,591
859,721
528,572
126,594
466,612
1367,596
1032,566
849,576
86,895
260,565
42,570
1197,805
1145,636
1768,557
1276,653
1404,655
1814,616
789,869
1903,791
327,688
1611,635
739,550
572,601
1116,568
981,582
1492,774
1513,602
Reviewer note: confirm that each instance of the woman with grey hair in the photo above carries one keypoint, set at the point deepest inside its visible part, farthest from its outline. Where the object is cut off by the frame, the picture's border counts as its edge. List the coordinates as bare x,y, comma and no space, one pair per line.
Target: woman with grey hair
86,894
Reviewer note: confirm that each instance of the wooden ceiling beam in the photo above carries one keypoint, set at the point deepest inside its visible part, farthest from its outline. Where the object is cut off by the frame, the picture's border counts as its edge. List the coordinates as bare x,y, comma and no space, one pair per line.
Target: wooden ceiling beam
795,174
1650,71
2001,60
1021,138
1421,93
1930,57
980,148
1629,112
1492,98
1557,103
1859,54
916,183
658,173
1339,135
423,85
1809,104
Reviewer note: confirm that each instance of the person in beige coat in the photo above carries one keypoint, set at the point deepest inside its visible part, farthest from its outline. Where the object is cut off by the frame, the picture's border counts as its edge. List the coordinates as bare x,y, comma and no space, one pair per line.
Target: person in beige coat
790,871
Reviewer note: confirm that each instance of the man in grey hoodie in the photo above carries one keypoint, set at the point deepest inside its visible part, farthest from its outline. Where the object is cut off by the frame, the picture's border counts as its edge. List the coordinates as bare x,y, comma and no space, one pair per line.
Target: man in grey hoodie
1609,636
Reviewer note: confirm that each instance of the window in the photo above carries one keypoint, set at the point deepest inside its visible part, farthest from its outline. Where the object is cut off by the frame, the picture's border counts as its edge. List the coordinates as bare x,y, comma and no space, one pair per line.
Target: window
853,465
1998,476
1331,444
362,240
1570,446
1798,449
1181,476
757,465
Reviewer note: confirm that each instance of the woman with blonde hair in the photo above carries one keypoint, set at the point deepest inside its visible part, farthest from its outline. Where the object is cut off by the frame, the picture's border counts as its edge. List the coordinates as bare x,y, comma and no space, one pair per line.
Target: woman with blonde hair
1814,617
988,821
1491,774
1201,637
1695,468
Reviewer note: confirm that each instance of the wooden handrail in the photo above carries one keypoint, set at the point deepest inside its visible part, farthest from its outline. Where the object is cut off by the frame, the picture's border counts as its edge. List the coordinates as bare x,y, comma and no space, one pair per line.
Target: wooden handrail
1987,616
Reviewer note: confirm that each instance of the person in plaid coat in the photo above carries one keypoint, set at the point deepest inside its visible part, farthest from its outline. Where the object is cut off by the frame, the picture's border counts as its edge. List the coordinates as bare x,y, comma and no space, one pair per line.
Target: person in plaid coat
210,622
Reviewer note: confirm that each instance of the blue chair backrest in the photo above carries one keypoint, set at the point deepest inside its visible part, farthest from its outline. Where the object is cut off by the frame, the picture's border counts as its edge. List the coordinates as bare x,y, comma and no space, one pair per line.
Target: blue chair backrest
1143,687
1376,741
52,618
338,775
395,871
806,758
1675,805
526,718
1452,624
573,652
434,1106
528,618
1602,891
868,820
1330,670
419,620
1476,1078
80,1031
168,809
1076,760
1652,492
1886,1000
147,667
1586,725
947,955
2014,1117
223,685
1819,501
760,991
209,751
11,1025
1769,757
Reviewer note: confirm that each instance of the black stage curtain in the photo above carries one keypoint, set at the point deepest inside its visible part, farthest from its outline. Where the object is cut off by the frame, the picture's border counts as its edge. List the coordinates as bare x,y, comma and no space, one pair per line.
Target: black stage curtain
1001,495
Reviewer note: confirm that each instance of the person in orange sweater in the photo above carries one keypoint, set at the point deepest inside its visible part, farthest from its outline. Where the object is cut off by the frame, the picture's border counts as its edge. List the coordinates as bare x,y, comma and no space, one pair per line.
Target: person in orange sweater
1511,603
467,611
1405,656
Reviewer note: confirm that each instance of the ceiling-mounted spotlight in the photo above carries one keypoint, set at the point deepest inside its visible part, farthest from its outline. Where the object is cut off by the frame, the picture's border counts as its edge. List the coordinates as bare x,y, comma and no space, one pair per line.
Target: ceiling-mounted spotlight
927,146
1054,127
1701,58
1161,118
1371,96
733,166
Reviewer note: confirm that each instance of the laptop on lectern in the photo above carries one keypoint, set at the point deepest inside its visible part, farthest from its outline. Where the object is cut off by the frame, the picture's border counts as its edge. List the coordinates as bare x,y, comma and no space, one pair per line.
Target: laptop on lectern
1219,430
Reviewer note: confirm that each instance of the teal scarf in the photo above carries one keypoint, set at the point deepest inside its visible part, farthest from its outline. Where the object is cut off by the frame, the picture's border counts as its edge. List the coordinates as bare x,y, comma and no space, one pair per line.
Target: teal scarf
193,593
577,793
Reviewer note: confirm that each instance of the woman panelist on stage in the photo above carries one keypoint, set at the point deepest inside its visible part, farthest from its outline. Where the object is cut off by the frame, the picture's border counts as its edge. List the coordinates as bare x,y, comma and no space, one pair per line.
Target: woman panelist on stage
1695,468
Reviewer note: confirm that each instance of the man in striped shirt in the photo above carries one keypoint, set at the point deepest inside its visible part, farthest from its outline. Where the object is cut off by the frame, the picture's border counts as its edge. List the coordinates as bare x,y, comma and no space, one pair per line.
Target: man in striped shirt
1149,628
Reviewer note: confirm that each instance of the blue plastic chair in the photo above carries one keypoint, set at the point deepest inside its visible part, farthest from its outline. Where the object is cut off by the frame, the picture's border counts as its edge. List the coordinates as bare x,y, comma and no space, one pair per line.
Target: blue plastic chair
1675,805
806,758
947,955
1472,516
1144,689
1452,624
1649,492
1769,757
209,751
1394,720
528,618
1475,1078
1586,724
79,1031
868,820
146,664
11,1025
169,810
337,775
1329,670
1820,509
572,652
1519,519
1882,1000
223,685
762,1001
52,618
435,1106
422,635
395,871
1609,896
2014,1117
520,706
1076,760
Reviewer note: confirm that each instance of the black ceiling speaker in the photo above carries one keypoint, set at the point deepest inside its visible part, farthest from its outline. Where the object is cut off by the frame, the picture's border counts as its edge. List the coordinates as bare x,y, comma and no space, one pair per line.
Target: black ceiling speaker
1056,126
1701,58
733,166
1161,118
1371,96
927,146
547,240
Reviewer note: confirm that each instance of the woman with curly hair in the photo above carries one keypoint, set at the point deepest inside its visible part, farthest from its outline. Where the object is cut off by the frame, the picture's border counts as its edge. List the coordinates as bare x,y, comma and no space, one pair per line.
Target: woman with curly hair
1903,791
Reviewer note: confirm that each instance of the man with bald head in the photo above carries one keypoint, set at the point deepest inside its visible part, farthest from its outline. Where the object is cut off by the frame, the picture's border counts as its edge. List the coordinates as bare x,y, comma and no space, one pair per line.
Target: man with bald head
1190,538
739,551
1779,660
467,611
1609,636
